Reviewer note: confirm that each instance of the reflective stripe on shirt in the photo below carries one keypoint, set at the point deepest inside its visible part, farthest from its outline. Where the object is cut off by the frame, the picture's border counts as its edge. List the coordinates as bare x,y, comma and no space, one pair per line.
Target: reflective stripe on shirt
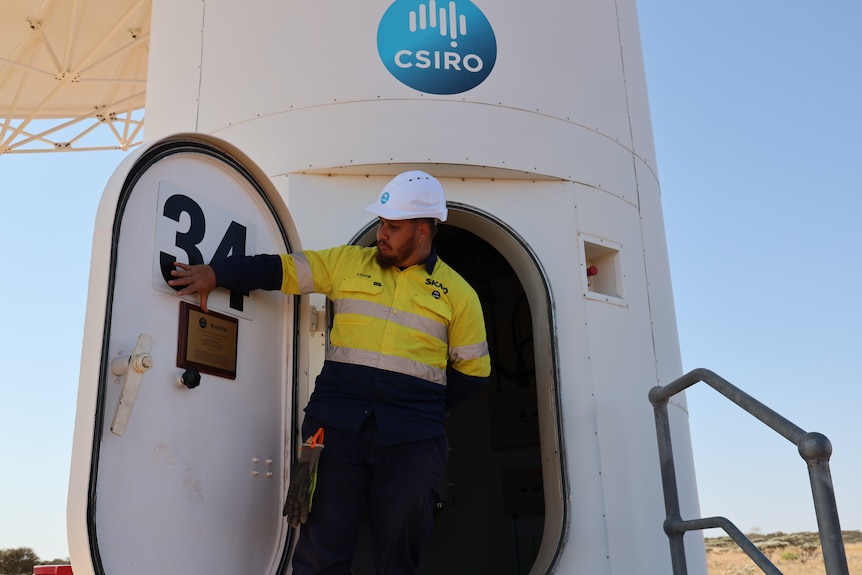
405,318
468,352
303,273
387,362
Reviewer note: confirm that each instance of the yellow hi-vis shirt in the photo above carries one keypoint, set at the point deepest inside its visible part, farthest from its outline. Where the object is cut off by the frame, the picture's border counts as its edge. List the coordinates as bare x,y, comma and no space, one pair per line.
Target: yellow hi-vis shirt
413,322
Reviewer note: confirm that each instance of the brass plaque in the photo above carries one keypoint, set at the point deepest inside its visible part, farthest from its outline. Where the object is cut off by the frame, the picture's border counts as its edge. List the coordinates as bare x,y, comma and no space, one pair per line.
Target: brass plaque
207,341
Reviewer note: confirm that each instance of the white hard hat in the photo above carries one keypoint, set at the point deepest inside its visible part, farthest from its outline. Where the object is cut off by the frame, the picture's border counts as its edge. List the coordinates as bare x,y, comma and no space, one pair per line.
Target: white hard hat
411,195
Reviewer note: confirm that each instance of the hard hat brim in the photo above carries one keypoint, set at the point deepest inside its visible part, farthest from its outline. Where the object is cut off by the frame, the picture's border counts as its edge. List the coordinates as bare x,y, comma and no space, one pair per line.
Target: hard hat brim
390,214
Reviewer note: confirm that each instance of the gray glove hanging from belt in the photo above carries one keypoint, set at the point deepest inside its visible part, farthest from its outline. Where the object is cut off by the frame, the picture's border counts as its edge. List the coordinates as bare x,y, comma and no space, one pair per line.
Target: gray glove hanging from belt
303,480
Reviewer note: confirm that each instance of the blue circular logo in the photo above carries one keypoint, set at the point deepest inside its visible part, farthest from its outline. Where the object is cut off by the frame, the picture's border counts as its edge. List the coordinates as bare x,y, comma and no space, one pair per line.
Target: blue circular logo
437,47
384,198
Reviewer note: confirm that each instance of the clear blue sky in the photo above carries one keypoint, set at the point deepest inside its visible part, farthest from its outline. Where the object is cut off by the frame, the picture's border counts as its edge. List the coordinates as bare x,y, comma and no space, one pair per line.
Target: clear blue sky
756,116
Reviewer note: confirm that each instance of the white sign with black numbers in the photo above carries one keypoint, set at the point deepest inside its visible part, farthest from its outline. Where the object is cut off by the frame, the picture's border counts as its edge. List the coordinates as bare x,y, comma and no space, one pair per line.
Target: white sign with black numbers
192,230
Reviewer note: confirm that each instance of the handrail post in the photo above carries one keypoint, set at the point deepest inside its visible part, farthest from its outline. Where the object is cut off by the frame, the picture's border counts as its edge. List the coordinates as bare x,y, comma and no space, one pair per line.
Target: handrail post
669,486
816,449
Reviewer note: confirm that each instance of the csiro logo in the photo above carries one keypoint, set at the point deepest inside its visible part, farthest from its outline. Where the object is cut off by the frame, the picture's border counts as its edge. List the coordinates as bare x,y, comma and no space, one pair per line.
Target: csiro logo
384,197
437,48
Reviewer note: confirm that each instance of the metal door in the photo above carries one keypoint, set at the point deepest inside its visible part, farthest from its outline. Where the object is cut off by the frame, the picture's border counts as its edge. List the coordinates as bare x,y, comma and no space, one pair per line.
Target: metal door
184,419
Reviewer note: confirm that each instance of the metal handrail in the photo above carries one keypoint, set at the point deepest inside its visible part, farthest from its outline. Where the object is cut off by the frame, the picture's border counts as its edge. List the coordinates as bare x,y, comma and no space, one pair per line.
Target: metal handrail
814,448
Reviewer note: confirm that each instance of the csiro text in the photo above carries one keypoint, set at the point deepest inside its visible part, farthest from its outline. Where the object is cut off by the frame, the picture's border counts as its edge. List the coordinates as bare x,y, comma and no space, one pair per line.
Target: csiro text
438,60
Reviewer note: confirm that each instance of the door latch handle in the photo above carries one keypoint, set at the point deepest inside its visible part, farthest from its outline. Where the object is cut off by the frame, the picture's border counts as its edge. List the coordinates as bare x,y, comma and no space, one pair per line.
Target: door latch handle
131,370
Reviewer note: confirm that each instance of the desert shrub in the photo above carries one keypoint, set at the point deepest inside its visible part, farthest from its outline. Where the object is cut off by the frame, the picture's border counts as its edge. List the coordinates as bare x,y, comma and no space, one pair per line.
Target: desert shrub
789,556
771,546
808,551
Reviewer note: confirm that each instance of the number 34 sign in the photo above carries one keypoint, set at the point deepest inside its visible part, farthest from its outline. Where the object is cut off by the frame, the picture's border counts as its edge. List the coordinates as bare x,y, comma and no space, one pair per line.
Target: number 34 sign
195,230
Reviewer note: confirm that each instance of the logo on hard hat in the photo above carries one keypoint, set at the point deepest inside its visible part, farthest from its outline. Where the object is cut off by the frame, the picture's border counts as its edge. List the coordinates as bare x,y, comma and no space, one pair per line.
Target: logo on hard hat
437,48
384,197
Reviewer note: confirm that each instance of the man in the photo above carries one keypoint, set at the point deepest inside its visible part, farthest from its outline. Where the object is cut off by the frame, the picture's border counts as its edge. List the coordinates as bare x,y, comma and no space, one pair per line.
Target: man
407,341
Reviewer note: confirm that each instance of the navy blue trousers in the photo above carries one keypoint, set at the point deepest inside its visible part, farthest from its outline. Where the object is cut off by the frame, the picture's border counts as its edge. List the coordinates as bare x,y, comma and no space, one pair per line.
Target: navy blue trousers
398,486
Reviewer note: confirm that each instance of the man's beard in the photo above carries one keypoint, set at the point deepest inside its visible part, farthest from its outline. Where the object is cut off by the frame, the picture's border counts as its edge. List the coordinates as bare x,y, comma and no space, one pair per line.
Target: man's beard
397,257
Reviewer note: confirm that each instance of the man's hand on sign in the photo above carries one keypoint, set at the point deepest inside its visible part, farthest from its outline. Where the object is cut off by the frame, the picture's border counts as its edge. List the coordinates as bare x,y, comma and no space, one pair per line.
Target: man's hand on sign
199,279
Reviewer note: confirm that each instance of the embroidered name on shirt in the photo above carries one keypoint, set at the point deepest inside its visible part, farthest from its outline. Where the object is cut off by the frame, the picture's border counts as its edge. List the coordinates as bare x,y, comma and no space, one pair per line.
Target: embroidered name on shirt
435,283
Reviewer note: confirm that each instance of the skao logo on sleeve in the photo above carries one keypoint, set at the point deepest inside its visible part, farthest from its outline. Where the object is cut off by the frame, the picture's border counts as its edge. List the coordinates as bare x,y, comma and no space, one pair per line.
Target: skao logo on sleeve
437,47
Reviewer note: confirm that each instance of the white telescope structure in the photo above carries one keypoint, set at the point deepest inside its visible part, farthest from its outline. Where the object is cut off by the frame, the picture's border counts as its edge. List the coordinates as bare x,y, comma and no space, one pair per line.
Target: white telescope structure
270,125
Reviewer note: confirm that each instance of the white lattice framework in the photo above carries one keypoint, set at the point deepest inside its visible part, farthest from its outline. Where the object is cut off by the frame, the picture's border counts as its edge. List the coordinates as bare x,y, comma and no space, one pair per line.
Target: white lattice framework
72,74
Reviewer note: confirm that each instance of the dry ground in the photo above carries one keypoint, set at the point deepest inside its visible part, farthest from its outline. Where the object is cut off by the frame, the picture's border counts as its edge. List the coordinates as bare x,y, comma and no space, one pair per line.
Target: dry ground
793,554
